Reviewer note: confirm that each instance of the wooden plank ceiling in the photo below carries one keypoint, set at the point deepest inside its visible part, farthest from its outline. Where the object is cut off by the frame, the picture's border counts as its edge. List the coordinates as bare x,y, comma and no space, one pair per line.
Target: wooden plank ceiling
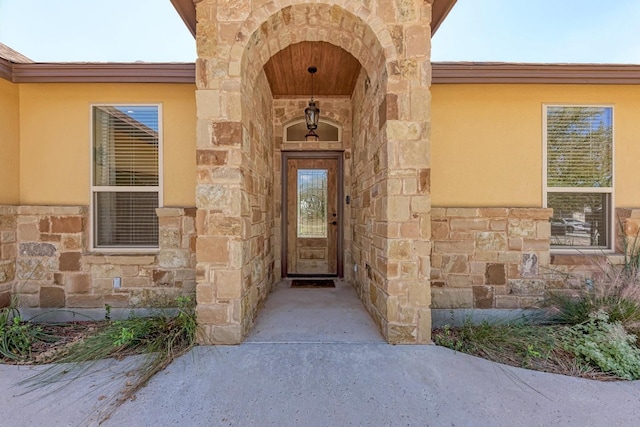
288,76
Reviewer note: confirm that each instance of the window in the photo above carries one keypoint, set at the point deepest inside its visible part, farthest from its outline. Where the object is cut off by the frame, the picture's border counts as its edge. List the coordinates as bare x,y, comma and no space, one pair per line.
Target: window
327,132
579,175
126,176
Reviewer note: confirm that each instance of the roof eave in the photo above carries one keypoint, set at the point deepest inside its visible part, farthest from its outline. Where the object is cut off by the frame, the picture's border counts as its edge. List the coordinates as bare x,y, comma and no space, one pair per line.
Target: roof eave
102,73
514,73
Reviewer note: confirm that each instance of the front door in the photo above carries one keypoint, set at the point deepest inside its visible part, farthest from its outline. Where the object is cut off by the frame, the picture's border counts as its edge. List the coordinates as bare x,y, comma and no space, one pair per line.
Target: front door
313,217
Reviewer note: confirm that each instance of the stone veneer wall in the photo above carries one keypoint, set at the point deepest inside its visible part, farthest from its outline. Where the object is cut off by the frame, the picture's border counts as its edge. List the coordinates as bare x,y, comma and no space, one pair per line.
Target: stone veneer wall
337,110
489,258
54,267
8,252
501,258
391,206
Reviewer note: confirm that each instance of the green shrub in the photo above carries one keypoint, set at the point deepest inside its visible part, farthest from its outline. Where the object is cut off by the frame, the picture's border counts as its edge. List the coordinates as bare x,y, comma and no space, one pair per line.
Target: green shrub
16,335
604,344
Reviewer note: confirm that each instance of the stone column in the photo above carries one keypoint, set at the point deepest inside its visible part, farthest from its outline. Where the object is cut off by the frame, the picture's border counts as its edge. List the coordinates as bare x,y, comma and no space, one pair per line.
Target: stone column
219,192
407,113
8,252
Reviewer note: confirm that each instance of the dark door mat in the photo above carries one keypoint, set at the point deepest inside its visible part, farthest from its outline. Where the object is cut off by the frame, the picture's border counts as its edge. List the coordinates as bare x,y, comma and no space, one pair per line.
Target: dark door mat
313,283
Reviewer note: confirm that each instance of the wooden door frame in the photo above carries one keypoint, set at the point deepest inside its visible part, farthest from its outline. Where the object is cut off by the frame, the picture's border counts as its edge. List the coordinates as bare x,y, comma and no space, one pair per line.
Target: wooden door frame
337,155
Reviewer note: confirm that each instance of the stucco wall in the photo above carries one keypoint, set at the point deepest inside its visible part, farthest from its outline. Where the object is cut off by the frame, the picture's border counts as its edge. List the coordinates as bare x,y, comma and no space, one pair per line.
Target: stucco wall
9,143
487,141
55,139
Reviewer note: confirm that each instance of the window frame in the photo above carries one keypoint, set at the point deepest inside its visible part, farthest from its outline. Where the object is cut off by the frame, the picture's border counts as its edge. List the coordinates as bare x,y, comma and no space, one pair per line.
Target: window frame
610,214
96,189
302,120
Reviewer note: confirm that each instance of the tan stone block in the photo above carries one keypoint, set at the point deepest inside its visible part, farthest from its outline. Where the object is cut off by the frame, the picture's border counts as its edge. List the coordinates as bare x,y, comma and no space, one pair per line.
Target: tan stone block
409,230
136,282
491,241
439,229
455,264
453,247
459,280
451,298
420,293
420,204
52,297
28,232
228,284
214,314
420,103
486,256
399,130
531,213
71,242
462,212
78,283
208,106
212,249
117,300
399,250
424,326
7,237
473,224
515,243
543,230
535,245
131,259
493,212
477,267
231,334
498,225
205,294
509,256
422,247
398,208
85,301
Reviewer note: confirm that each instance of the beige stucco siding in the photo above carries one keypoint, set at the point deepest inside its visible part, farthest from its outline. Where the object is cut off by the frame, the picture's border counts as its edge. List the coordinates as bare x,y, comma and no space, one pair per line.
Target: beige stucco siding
55,138
487,141
9,143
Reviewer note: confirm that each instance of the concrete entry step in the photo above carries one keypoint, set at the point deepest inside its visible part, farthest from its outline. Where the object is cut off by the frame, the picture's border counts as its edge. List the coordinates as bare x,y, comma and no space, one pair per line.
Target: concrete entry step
306,315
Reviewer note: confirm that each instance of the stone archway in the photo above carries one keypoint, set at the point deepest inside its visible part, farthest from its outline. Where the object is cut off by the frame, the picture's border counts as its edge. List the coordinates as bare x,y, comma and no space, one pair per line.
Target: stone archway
236,223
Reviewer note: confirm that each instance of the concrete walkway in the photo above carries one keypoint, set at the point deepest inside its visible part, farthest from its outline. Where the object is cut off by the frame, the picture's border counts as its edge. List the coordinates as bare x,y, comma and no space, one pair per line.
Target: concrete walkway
324,377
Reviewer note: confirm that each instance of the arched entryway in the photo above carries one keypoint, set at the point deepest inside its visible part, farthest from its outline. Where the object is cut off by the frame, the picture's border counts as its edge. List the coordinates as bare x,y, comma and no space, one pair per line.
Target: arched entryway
385,148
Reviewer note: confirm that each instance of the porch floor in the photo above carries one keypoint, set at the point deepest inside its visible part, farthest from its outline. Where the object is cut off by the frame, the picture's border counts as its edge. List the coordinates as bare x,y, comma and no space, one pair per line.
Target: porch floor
324,315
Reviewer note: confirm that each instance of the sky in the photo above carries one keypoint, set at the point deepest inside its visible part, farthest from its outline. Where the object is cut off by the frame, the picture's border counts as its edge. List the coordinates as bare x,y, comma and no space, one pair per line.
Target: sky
579,31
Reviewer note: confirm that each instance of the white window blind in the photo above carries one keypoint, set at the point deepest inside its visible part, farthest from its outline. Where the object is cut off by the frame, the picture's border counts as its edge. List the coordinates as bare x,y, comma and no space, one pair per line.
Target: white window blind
579,175
126,176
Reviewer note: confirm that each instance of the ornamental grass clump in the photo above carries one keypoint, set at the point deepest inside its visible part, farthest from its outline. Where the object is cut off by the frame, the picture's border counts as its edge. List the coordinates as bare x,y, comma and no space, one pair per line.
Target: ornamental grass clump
617,295
16,335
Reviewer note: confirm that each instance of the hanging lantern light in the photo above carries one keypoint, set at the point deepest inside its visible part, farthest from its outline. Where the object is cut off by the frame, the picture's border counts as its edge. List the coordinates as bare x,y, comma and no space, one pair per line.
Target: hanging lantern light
312,112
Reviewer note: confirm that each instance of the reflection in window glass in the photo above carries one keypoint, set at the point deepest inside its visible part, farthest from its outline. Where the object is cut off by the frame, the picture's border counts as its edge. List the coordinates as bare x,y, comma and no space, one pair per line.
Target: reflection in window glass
326,132
579,219
312,203
579,175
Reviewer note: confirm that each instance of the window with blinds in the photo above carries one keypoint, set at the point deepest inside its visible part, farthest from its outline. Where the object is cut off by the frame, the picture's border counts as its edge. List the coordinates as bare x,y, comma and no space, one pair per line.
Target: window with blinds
126,176
579,175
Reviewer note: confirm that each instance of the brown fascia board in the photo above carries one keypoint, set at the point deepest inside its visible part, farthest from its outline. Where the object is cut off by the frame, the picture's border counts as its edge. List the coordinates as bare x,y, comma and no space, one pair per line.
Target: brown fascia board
439,11
187,11
505,73
104,73
6,69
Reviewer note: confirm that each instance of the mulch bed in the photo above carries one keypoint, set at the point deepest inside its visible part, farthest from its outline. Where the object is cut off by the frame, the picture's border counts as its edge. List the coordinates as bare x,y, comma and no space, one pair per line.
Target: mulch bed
60,337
